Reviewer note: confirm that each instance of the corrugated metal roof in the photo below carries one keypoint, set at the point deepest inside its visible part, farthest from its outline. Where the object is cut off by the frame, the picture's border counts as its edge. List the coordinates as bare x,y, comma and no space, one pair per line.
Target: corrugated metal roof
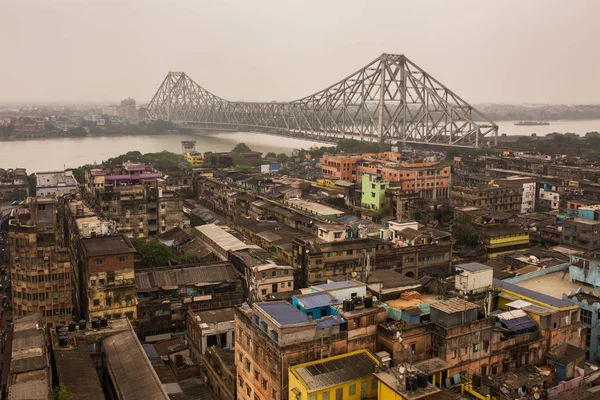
214,273
223,239
338,285
454,305
129,369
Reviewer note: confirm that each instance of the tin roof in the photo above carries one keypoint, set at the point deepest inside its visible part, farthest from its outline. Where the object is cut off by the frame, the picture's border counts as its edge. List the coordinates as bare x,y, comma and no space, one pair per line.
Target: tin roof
174,277
542,298
316,300
454,305
474,267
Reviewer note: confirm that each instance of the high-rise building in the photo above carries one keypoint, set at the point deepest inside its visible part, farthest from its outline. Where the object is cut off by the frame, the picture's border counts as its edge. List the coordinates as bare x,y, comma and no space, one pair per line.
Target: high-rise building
40,266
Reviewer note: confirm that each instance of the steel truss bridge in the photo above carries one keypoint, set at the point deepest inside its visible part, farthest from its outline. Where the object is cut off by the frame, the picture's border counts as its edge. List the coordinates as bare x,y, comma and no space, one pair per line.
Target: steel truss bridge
390,99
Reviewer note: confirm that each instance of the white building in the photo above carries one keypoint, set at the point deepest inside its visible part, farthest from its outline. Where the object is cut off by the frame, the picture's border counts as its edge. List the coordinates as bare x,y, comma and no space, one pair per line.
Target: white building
473,278
55,183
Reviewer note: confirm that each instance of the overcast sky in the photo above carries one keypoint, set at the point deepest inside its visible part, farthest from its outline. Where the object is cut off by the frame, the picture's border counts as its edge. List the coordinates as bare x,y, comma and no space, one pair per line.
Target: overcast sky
513,51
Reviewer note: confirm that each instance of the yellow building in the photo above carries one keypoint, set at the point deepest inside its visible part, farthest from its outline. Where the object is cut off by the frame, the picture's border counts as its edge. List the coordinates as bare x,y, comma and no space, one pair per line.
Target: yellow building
392,386
347,376
194,158
505,240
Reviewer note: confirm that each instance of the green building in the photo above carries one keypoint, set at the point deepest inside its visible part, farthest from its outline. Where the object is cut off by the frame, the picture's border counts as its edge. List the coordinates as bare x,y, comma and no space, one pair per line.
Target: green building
373,191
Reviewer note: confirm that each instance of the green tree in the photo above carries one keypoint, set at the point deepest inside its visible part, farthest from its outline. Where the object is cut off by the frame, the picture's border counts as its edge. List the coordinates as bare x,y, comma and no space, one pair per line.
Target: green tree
271,154
241,148
305,187
153,252
282,158
417,215
60,392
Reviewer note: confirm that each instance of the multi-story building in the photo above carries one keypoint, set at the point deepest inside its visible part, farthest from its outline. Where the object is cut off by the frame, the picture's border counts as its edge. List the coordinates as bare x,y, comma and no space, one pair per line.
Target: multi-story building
27,125
508,199
339,167
40,266
56,183
205,329
581,233
589,303
194,158
109,277
165,294
373,192
349,376
220,372
273,336
127,109
13,185
430,179
135,197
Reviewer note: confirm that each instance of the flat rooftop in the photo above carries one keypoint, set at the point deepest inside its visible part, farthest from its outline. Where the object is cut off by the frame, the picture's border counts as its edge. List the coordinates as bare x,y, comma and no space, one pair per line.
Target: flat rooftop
474,267
454,305
214,316
335,371
553,284
338,285
550,300
106,245
283,312
314,207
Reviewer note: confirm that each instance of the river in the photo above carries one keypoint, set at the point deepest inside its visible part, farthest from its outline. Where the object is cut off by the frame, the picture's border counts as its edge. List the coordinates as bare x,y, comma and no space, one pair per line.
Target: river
56,153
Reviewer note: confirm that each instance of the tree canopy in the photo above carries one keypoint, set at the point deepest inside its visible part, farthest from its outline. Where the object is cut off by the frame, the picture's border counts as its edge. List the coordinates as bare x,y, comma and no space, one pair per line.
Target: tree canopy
241,148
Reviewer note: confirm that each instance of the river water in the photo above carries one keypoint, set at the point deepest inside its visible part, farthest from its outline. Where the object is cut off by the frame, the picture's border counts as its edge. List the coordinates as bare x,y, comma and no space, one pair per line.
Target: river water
56,153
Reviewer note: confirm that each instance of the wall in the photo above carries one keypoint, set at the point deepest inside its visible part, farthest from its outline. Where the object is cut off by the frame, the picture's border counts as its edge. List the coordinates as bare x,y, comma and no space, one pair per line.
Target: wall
536,274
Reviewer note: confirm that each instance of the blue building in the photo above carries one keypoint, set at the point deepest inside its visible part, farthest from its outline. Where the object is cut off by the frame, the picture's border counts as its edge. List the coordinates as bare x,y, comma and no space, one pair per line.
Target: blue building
316,305
590,319
586,269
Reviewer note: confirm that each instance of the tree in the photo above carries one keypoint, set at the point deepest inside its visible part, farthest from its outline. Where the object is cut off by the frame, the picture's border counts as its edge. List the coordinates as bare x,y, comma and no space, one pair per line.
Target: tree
60,392
417,215
305,187
271,154
153,252
241,148
282,158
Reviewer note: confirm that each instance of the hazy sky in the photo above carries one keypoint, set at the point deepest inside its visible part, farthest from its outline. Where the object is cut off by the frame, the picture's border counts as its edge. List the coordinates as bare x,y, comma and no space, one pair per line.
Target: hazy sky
255,50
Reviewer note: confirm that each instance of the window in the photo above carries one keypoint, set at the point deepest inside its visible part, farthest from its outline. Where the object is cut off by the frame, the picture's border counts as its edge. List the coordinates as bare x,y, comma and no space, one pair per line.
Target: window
264,292
586,316
453,353
289,284
273,394
352,389
274,273
373,383
282,284
247,365
108,301
325,395
248,390
96,302
99,262
122,259
312,397
256,375
263,383
475,347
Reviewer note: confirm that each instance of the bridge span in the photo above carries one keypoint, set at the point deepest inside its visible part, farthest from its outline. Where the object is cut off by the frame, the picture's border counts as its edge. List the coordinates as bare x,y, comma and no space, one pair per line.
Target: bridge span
391,99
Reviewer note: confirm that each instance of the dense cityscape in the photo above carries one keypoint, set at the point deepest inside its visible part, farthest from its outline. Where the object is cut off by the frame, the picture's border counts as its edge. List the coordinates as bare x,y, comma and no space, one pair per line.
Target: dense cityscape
391,200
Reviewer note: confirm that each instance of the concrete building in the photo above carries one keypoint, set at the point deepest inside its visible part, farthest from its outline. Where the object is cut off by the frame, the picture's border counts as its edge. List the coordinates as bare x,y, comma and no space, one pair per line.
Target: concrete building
164,295
56,183
136,198
41,268
490,197
345,376
13,185
339,167
589,303
373,192
220,372
205,329
109,277
273,336
581,233
473,278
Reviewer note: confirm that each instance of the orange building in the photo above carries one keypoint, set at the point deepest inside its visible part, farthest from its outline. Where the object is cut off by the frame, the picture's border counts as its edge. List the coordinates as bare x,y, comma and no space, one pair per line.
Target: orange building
338,167
432,179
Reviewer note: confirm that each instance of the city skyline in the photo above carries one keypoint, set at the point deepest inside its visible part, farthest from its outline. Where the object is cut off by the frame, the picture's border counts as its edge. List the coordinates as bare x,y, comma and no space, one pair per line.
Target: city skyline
103,51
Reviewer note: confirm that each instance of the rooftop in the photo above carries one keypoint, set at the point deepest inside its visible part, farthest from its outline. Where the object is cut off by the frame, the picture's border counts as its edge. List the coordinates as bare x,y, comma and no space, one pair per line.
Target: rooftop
313,207
130,369
553,284
189,275
283,313
316,300
474,267
77,371
391,279
337,285
334,371
391,379
454,305
532,294
580,295
223,239
54,178
213,316
106,245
